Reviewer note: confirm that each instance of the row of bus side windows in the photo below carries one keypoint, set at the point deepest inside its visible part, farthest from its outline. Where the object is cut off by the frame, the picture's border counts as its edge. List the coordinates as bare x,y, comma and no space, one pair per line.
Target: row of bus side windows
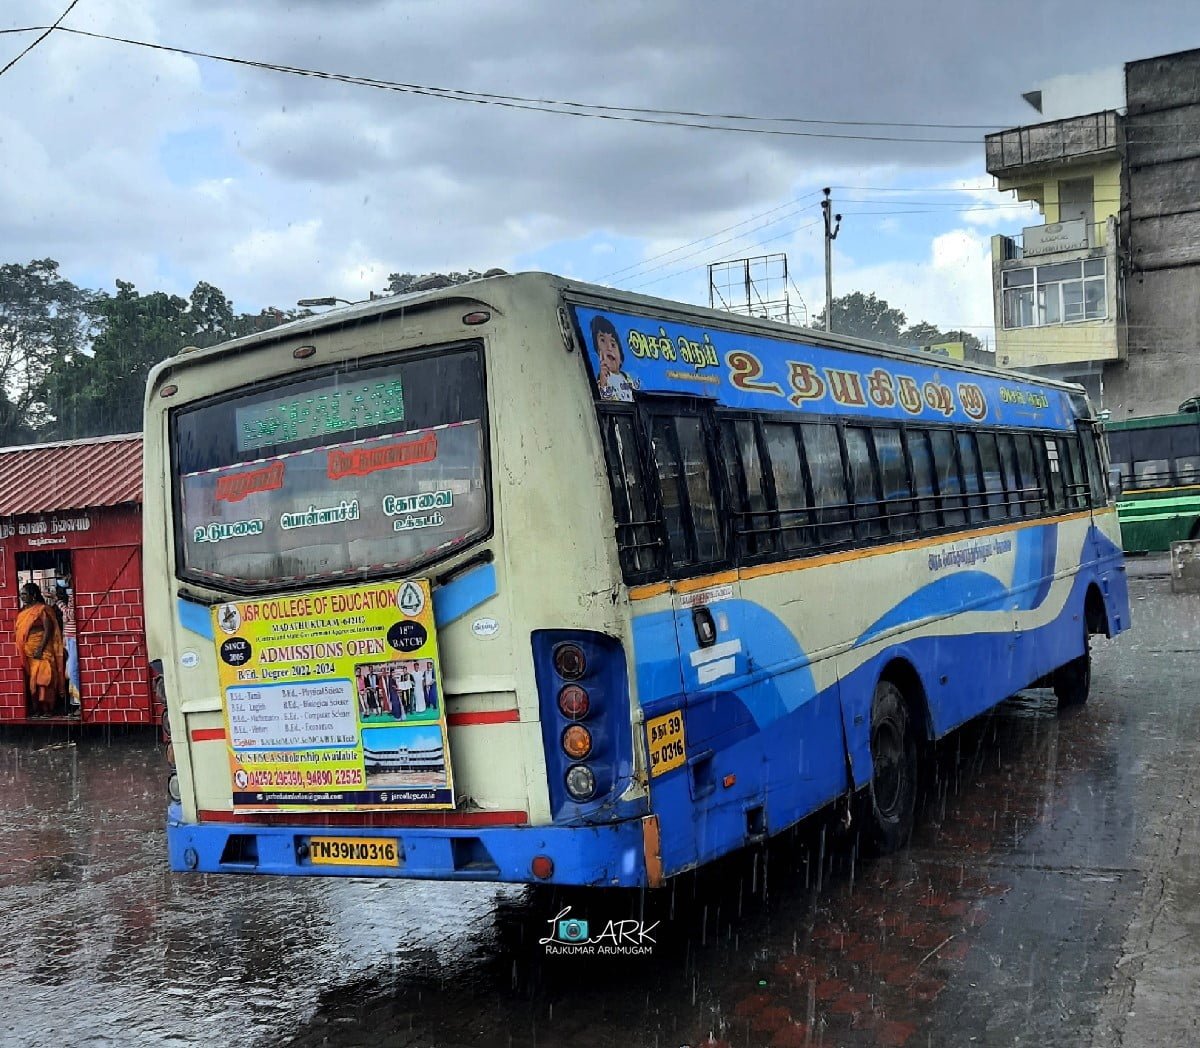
795,487
1157,457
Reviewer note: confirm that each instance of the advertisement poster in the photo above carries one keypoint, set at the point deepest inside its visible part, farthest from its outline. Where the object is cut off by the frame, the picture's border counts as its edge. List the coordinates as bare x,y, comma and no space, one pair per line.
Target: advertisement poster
334,699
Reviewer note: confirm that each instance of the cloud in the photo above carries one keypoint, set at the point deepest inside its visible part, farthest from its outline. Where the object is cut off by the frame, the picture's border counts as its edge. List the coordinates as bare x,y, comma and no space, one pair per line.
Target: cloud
126,162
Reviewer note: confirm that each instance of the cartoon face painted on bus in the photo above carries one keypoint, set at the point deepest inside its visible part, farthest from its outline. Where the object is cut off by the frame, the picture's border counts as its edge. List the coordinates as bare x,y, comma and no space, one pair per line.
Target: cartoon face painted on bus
612,382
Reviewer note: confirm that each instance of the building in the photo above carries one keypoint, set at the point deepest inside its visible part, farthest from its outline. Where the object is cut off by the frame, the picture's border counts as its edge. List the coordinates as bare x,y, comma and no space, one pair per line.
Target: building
72,512
1106,291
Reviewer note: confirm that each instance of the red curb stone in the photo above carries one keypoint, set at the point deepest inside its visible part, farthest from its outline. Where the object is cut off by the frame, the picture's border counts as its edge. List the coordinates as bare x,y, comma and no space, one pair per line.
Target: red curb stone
771,1018
895,1034
794,1035
849,1003
751,1005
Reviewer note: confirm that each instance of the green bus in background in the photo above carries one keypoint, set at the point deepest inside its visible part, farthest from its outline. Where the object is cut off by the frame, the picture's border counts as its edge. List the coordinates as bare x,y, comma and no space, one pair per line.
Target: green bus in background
1159,461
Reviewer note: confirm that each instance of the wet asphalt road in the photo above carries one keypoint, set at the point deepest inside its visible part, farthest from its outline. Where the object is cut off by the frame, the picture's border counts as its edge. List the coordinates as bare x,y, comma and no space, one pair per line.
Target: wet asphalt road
1006,922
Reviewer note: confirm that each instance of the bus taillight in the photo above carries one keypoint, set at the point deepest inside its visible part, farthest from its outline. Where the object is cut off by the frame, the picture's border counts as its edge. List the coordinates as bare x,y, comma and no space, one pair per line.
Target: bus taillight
577,742
569,661
573,702
583,684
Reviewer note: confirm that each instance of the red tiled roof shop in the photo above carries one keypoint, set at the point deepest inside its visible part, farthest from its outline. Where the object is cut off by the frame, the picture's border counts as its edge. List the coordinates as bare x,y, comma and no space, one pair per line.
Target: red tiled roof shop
71,515
73,474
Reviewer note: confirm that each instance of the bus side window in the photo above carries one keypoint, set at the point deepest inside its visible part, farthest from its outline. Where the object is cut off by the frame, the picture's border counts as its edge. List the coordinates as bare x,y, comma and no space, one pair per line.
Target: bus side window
923,478
949,479
1012,475
993,480
893,472
1118,451
638,544
787,470
1097,485
707,525
824,456
1074,480
864,481
1185,453
972,482
1055,485
1030,494
755,527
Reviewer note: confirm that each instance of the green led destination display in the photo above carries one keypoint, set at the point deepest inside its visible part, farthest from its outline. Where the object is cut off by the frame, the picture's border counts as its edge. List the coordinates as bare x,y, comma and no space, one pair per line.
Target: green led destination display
323,411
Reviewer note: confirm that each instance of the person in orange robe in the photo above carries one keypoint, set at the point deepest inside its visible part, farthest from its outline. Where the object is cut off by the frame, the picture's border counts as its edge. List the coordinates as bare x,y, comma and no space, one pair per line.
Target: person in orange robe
40,644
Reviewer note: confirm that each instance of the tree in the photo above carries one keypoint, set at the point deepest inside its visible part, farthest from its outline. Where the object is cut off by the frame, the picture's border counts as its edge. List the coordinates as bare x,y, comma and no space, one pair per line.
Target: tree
44,320
403,283
99,391
865,316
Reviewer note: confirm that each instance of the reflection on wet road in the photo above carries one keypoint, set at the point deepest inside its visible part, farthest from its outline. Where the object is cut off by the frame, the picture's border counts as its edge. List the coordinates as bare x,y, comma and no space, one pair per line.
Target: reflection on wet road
1000,923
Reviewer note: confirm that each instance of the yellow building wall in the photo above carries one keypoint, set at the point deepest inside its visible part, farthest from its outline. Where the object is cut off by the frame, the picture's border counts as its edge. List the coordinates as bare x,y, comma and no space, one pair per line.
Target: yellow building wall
1058,344
1043,190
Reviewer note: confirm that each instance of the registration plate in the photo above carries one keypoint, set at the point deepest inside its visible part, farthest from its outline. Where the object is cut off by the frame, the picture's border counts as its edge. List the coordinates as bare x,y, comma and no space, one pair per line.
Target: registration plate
664,739
353,851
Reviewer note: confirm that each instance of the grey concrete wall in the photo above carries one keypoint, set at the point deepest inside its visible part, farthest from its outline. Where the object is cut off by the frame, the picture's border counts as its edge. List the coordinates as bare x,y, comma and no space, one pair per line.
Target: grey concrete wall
1161,220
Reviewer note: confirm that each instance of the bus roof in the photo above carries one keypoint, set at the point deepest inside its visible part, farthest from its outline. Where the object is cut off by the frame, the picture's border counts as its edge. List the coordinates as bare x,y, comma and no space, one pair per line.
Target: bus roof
476,291
1190,418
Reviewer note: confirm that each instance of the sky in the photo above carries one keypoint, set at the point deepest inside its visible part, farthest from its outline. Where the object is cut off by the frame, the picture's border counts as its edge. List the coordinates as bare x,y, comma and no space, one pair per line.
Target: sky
126,162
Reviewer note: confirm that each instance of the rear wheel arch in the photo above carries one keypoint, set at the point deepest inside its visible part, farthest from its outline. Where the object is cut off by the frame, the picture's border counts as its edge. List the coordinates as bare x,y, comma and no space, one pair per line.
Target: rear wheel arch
1095,612
902,673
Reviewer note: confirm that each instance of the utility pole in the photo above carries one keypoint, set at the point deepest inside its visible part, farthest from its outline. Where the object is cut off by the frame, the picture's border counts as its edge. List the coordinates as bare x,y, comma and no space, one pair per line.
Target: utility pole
831,231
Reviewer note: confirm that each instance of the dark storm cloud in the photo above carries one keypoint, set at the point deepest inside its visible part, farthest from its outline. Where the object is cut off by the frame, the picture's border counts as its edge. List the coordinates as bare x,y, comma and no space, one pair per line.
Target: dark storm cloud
379,179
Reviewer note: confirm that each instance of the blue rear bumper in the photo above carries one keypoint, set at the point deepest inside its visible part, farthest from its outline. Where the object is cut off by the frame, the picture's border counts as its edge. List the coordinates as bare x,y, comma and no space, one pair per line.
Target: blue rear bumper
612,855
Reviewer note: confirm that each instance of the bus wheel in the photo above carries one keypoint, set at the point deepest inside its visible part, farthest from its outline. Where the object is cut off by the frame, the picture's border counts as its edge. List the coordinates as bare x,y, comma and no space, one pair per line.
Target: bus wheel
892,794
1073,681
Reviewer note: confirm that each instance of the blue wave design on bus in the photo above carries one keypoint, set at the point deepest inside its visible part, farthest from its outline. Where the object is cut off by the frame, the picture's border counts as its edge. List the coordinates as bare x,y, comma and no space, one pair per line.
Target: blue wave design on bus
972,590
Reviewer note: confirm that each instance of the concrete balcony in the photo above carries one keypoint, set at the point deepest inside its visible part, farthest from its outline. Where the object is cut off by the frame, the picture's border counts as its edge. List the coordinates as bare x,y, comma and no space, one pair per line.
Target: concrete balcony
1021,151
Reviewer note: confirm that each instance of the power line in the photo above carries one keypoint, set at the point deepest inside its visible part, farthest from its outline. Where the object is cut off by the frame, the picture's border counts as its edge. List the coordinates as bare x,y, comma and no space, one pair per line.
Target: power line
722,243
700,240
27,29
49,29
578,109
688,269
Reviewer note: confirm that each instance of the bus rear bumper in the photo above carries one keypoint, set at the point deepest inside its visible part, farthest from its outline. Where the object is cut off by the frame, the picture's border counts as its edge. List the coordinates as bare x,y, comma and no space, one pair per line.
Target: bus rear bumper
622,854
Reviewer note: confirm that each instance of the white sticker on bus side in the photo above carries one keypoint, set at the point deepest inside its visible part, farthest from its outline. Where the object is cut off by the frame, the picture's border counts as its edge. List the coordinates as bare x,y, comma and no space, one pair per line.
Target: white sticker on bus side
683,601
485,628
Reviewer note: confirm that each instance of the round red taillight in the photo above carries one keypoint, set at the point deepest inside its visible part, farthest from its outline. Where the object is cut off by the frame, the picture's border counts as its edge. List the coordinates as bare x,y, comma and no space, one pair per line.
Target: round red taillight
169,390
479,316
569,661
577,742
573,702
542,867
303,352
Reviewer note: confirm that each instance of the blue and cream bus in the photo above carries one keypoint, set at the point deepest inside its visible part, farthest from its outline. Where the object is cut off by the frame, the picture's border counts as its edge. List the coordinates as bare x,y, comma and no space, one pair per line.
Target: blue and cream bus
667,581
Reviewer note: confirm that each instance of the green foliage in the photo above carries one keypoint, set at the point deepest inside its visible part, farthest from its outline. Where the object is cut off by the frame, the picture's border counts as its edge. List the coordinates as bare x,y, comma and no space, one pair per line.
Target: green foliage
865,316
97,389
44,319
403,283
869,317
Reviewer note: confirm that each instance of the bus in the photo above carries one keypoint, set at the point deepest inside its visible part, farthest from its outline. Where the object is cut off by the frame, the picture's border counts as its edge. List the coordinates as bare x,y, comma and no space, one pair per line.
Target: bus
531,580
1158,458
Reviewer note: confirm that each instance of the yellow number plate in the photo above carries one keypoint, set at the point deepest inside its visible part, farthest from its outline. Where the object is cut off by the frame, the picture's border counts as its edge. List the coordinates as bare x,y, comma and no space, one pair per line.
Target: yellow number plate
353,851
664,740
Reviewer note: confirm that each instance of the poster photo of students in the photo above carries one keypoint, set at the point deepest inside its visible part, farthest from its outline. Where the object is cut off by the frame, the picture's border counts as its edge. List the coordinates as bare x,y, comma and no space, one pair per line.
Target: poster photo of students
400,692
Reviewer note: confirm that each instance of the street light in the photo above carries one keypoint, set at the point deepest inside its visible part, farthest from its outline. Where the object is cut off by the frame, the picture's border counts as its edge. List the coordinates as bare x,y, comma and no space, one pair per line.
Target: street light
328,301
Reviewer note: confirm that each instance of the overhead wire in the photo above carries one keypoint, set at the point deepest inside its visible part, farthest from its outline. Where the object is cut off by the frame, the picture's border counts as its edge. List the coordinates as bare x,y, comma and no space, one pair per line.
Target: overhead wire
726,229
48,30
582,110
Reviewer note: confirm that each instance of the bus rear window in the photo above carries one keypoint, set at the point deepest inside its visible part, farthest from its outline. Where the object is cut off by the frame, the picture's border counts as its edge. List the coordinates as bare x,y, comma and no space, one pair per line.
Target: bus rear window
343,473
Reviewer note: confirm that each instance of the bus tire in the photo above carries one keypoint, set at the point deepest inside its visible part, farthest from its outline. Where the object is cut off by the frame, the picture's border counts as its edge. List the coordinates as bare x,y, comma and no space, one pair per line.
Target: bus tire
891,797
1073,682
